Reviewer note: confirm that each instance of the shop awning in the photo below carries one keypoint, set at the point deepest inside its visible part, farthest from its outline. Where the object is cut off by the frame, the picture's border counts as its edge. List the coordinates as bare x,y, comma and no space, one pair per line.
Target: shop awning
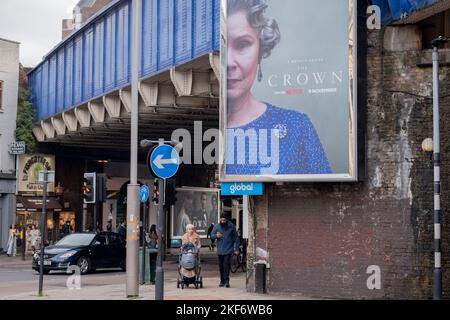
35,204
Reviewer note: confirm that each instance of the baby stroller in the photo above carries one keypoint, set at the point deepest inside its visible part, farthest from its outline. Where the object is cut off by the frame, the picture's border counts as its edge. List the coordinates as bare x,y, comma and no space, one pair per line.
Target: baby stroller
189,267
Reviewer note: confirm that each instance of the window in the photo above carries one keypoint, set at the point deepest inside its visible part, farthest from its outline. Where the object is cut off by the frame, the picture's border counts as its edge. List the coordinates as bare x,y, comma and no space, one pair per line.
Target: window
1,94
114,239
101,240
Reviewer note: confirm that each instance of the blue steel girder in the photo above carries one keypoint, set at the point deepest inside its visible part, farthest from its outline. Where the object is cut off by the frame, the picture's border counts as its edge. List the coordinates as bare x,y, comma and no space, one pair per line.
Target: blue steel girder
392,10
95,60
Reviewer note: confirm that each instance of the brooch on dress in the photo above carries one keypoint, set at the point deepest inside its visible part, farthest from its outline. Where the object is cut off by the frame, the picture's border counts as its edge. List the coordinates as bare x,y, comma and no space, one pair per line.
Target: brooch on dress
281,131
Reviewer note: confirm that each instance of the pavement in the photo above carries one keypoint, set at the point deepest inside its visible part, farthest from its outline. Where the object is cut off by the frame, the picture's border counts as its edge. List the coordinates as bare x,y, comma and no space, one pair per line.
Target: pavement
19,282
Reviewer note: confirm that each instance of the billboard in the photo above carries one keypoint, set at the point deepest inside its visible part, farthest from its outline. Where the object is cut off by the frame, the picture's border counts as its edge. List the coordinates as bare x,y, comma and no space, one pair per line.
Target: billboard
197,206
288,93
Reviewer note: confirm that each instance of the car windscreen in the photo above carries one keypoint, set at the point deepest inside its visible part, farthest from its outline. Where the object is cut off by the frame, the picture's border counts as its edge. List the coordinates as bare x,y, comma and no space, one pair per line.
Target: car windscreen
76,240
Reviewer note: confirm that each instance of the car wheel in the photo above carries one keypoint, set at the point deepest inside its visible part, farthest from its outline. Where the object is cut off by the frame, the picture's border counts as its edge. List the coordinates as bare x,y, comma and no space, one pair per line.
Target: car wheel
84,264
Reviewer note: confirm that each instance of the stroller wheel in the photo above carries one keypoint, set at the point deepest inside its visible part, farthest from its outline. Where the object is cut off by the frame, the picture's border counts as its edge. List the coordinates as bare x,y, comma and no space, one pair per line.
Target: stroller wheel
196,285
178,284
201,282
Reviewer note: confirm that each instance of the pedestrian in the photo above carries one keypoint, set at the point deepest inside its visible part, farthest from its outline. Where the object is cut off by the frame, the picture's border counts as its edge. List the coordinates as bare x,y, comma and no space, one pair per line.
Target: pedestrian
227,243
152,240
152,237
191,236
28,239
122,231
65,230
35,238
12,241
109,226
211,244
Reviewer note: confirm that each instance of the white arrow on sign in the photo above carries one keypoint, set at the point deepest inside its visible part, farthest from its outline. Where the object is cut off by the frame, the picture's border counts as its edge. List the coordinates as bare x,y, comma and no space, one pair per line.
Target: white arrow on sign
159,162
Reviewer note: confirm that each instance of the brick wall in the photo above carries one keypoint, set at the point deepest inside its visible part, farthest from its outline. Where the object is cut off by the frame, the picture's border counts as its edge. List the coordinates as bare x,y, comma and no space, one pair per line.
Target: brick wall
322,237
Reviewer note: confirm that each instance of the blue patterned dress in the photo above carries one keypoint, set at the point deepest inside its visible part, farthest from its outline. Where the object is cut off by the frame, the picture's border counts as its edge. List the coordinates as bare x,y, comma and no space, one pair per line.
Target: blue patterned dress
300,149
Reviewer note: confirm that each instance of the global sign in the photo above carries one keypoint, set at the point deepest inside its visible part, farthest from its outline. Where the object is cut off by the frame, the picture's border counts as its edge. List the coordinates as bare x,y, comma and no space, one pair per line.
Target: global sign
242,189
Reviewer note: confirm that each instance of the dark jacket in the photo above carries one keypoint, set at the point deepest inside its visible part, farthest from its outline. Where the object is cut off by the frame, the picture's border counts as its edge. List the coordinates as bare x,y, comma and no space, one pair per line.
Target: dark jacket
122,231
229,242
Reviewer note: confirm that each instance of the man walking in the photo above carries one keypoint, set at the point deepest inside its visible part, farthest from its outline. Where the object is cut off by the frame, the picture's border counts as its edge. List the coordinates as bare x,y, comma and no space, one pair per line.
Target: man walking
227,242
122,231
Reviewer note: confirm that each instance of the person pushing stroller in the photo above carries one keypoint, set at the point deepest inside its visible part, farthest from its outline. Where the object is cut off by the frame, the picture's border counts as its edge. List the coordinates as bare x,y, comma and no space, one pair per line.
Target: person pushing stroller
189,261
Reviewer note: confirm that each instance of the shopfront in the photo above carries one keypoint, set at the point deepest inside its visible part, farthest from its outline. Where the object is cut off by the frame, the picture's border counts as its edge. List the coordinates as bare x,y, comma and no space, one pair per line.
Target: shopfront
29,212
30,201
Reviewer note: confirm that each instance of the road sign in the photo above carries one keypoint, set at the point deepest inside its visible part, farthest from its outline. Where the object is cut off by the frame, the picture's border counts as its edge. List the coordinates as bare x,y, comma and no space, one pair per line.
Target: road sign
242,189
50,177
144,193
17,148
164,161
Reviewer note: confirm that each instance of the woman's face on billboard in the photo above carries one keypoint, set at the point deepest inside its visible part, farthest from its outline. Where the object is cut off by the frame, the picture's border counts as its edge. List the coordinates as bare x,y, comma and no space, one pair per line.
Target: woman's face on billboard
243,55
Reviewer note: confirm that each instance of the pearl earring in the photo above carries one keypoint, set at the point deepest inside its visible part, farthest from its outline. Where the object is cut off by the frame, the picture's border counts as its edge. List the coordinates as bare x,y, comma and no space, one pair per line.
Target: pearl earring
260,75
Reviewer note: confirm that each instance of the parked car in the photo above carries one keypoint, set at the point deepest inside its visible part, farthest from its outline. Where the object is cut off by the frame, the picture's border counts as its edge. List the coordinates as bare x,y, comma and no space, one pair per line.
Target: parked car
89,251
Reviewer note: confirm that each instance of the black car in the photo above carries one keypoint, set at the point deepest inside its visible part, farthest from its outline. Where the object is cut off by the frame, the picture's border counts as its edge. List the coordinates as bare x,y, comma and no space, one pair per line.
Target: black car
89,251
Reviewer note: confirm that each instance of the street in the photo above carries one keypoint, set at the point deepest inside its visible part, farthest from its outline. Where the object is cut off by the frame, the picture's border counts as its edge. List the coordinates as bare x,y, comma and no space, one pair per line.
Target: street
19,282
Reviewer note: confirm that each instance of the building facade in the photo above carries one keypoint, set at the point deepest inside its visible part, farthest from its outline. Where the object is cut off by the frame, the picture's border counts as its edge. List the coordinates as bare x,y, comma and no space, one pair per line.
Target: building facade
9,86
81,13
317,239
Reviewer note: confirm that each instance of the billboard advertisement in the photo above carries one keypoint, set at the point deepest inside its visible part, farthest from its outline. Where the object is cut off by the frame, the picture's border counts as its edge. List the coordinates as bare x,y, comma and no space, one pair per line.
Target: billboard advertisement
288,93
197,206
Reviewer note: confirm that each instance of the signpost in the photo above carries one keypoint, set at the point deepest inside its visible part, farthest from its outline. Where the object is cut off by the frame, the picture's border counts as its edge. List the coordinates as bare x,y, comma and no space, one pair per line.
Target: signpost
44,177
17,148
144,194
164,162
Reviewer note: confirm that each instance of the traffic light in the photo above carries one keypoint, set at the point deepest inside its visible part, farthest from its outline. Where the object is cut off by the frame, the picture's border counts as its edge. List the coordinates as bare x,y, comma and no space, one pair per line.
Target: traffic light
101,188
155,193
89,187
171,192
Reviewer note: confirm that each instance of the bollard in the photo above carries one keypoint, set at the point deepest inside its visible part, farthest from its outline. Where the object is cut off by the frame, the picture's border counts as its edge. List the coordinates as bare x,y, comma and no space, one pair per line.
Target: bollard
260,274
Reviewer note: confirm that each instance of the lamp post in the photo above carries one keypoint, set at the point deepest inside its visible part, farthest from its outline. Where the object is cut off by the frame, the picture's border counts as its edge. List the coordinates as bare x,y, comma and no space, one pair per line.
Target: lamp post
132,265
437,277
43,230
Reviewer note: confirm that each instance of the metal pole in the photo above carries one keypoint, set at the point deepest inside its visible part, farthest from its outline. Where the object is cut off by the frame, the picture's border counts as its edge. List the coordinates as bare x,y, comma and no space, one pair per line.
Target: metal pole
159,274
43,232
144,224
437,279
24,241
132,286
95,218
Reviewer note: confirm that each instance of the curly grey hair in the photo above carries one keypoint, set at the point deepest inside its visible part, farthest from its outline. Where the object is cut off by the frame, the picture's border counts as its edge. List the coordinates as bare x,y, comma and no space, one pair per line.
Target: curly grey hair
266,27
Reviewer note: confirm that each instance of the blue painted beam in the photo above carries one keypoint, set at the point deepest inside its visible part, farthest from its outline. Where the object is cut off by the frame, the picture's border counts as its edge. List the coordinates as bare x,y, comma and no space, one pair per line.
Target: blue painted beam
392,10
95,60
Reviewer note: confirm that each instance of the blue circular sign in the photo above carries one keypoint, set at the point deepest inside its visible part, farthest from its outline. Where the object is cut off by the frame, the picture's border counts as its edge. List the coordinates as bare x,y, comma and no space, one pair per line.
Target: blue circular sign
144,193
164,161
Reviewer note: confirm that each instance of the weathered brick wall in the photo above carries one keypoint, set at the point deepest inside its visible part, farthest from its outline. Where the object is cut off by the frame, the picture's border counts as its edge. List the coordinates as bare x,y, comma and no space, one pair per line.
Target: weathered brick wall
322,237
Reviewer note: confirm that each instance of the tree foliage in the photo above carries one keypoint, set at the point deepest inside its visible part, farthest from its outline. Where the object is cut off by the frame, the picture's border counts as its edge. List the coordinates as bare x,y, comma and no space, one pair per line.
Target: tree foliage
25,119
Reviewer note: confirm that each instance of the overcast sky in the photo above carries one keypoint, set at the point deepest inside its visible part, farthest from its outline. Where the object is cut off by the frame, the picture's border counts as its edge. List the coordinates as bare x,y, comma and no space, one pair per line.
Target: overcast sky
36,24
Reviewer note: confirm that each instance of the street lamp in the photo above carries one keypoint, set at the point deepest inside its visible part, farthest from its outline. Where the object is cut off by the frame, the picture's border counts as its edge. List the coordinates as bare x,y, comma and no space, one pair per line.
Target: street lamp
427,145
132,266
437,278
